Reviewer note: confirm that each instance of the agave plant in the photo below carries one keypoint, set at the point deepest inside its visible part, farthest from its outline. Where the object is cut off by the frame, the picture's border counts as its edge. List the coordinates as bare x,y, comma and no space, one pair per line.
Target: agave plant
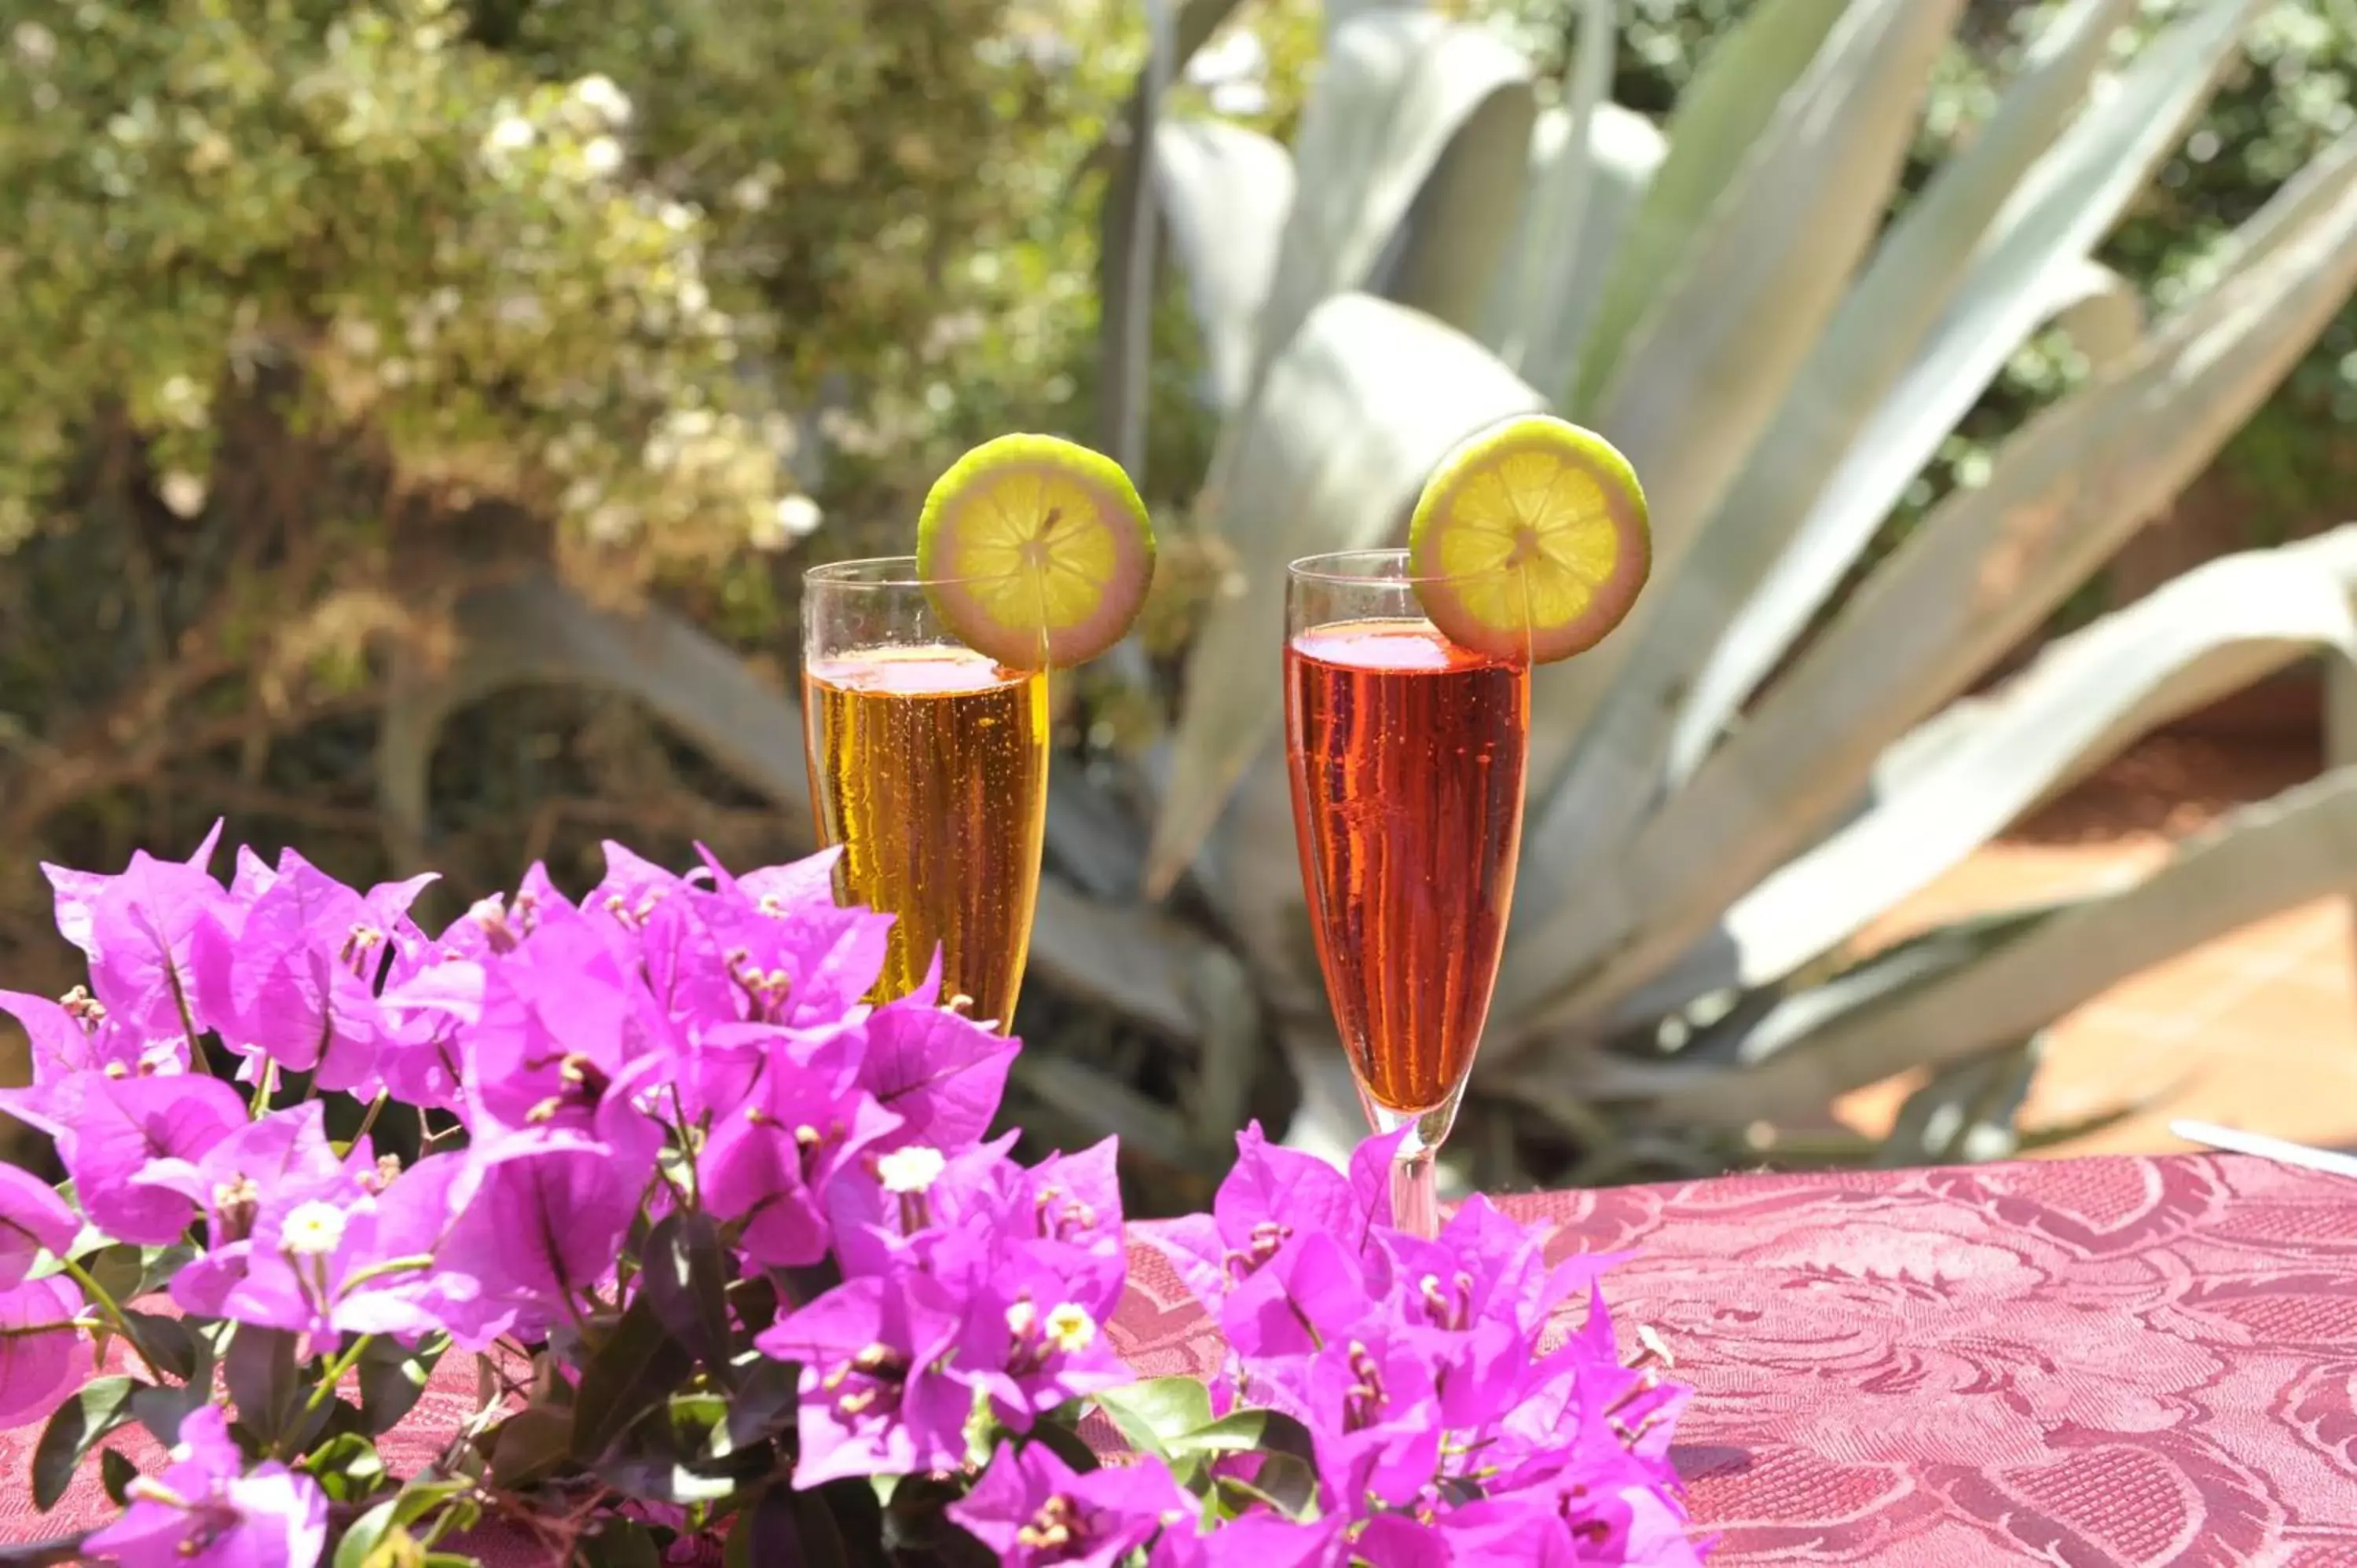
1723,298
1726,791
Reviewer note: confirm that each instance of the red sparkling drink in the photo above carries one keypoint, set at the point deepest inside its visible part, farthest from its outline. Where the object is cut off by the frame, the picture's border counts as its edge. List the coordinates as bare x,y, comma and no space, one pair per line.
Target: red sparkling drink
1408,758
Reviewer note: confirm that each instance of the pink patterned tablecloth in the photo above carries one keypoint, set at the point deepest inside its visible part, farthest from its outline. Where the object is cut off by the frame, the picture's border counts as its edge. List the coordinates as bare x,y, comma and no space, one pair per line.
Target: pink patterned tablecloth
2085,1362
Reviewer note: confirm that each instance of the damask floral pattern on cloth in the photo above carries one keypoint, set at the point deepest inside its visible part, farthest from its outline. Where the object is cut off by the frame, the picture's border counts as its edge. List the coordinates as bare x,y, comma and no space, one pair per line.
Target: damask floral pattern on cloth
2093,1363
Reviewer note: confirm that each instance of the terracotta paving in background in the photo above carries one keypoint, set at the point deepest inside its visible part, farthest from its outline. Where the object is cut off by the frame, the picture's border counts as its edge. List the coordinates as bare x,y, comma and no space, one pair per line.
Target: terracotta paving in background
2257,1030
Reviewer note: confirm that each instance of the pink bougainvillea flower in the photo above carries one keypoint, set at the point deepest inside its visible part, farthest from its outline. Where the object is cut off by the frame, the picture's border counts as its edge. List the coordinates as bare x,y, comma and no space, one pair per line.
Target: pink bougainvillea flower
42,1357
109,1129
206,1509
285,968
1032,1508
770,1161
136,927
939,1072
33,1217
877,1399
80,1034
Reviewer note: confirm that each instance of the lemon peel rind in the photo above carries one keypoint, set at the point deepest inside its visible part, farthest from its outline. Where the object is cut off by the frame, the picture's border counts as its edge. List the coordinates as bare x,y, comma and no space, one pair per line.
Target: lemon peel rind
1502,628
1025,616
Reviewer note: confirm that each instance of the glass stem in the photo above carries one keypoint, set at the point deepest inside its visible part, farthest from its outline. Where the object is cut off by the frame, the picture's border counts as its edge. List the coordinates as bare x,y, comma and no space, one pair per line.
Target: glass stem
1416,1192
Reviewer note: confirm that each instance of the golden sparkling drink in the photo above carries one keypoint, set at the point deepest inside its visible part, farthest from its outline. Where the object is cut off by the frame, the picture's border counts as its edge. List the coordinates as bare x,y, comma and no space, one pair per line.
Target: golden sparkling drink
930,765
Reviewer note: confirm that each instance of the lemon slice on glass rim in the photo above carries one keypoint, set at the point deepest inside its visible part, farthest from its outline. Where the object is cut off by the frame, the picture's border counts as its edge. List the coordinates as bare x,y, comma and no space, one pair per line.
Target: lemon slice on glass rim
1036,551
1530,540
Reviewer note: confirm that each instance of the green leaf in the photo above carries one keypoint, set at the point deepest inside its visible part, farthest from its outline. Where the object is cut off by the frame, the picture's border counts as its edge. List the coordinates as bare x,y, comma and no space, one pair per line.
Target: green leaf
1284,1482
166,1342
1720,119
1355,413
392,1377
634,1371
388,1520
916,1527
77,1425
1065,1443
161,1410
684,1279
662,1478
118,1269
266,1381
1240,1431
764,1402
116,1473
159,1266
1151,1413
618,1544
530,1446
787,1529
346,1466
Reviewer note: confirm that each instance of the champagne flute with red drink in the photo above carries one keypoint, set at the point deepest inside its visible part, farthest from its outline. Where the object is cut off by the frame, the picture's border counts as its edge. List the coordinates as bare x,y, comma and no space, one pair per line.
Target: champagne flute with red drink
1408,687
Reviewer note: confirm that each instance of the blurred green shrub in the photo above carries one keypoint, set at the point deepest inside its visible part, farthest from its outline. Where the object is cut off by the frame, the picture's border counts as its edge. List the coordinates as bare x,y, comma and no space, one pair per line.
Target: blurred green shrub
583,259
320,314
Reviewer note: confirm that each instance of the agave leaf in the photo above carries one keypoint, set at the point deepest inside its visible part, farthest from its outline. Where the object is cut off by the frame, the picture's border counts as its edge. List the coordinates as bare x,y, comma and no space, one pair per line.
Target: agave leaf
1975,577
2100,312
1549,293
1718,352
2265,859
1916,272
1967,1112
2200,637
1125,956
1395,89
1329,1122
1719,122
1759,1027
1353,415
1103,1104
1589,160
1710,361
1252,879
1121,275
1127,334
535,628
2066,201
1226,192
1444,256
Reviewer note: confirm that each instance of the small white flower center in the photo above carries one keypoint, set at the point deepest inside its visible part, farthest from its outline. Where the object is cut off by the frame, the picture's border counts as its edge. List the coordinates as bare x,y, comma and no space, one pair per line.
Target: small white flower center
910,1170
314,1230
1071,1328
1021,1317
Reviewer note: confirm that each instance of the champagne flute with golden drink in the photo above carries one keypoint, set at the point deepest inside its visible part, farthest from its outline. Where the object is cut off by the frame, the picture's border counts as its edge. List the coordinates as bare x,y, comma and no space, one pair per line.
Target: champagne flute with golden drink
1407,688
925,702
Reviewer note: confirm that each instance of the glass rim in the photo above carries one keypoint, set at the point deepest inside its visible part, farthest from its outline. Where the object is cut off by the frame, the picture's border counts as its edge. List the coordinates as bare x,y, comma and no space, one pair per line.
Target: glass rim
1362,568
878,574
